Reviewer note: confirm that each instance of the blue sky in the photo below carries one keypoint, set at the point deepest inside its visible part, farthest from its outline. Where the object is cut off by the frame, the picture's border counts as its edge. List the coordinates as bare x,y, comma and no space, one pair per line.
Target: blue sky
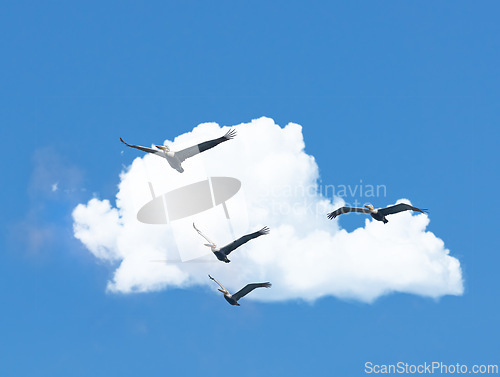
395,93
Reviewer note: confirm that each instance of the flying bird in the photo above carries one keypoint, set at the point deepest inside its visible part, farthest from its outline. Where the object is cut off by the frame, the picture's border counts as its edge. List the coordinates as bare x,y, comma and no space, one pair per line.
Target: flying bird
233,299
175,159
223,252
379,213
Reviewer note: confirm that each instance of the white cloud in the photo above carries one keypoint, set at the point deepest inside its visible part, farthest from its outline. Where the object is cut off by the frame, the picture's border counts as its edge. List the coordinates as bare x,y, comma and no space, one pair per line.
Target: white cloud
305,256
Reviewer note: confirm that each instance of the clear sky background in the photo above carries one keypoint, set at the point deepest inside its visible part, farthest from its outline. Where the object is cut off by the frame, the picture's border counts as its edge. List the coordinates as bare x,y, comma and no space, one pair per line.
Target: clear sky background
403,94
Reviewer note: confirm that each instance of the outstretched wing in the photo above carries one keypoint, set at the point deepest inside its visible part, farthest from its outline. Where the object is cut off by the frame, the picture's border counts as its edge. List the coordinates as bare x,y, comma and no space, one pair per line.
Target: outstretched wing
203,259
201,234
342,210
240,241
202,147
144,149
249,288
220,285
399,208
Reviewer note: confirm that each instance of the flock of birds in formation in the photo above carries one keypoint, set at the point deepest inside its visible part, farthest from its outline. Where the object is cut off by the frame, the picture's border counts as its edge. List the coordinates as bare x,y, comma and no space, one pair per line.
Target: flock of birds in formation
175,160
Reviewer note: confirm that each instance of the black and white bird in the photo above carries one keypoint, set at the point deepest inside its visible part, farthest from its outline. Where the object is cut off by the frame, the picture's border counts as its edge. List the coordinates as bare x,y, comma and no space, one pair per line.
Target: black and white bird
223,252
233,299
175,159
377,213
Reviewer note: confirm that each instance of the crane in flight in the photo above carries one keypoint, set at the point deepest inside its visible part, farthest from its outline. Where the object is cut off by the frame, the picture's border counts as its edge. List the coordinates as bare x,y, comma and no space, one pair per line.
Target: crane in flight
223,252
233,299
175,159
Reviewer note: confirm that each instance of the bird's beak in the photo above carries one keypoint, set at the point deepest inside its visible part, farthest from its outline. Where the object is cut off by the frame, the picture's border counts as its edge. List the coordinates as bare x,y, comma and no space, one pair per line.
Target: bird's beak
208,245
220,290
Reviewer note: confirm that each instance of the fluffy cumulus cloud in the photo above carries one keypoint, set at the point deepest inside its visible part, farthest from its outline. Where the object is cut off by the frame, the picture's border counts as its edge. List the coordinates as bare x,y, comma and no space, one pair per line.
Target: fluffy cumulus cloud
305,256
